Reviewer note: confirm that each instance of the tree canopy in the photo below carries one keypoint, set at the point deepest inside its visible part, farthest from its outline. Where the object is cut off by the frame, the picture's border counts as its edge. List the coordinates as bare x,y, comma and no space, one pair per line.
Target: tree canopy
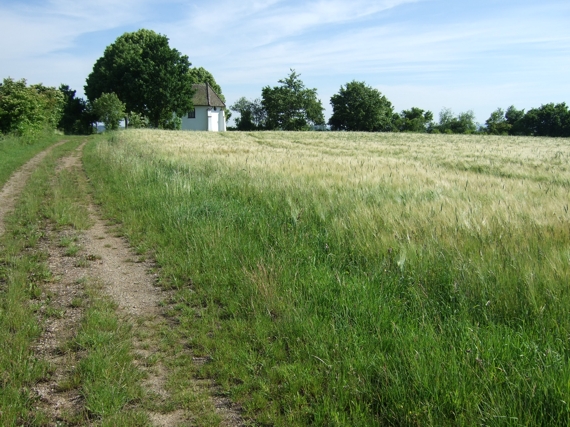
413,120
450,123
497,124
548,120
513,117
252,115
151,78
359,107
77,117
291,106
109,109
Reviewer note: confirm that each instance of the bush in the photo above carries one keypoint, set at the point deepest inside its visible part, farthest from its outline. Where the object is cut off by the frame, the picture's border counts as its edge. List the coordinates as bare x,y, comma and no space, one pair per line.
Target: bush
28,110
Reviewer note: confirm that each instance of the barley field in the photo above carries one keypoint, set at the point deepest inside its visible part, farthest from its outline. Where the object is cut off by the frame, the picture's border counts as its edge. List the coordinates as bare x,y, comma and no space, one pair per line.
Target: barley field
359,279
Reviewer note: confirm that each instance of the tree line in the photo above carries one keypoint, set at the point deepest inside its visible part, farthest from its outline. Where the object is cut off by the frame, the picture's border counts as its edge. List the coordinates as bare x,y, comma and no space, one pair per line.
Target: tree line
141,80
359,107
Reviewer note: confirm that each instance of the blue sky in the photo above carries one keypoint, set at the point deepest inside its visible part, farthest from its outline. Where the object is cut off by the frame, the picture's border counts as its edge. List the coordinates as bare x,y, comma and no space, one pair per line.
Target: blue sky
463,55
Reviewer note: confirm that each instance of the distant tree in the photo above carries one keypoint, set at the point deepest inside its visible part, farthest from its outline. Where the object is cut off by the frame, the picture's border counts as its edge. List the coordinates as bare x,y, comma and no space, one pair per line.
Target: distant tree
147,75
497,123
514,118
28,110
77,117
446,119
110,110
463,123
292,106
414,120
201,75
252,114
547,120
359,107
72,110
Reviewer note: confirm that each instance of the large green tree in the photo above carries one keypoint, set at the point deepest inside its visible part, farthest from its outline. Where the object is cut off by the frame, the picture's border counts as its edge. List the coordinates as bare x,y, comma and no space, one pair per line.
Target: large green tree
291,106
359,107
151,78
547,120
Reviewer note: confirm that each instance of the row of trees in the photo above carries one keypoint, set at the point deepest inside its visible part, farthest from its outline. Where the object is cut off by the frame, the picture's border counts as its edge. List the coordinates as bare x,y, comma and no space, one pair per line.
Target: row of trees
139,79
547,120
142,80
359,107
30,110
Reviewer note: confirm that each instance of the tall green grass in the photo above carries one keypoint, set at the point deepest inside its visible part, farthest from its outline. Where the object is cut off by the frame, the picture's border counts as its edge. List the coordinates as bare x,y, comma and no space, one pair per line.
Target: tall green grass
360,279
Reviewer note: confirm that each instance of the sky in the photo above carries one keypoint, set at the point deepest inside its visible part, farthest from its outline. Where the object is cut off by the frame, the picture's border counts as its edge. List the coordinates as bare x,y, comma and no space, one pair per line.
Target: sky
432,54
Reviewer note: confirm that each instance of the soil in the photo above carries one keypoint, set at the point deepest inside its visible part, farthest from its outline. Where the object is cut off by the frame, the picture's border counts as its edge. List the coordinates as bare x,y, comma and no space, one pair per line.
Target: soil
128,280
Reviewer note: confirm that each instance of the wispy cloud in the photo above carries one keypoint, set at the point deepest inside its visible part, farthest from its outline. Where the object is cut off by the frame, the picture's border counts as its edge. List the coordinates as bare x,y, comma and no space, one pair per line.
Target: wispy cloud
248,25
55,25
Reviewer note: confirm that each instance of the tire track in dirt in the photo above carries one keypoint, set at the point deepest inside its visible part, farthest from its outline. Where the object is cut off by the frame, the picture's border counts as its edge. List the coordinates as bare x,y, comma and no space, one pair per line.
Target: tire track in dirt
109,261
14,186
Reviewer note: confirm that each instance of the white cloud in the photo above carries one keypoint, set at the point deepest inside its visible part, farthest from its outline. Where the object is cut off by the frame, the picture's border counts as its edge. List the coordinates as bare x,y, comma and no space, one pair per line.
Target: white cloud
252,24
56,25
398,48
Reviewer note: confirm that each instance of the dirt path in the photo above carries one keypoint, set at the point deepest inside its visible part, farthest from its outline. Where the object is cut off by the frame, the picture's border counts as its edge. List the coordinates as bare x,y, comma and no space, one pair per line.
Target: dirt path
14,186
109,262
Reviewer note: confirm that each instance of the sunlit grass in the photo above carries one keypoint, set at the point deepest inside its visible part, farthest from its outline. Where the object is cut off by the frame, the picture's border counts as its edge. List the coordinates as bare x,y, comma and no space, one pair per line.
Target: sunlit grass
351,278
